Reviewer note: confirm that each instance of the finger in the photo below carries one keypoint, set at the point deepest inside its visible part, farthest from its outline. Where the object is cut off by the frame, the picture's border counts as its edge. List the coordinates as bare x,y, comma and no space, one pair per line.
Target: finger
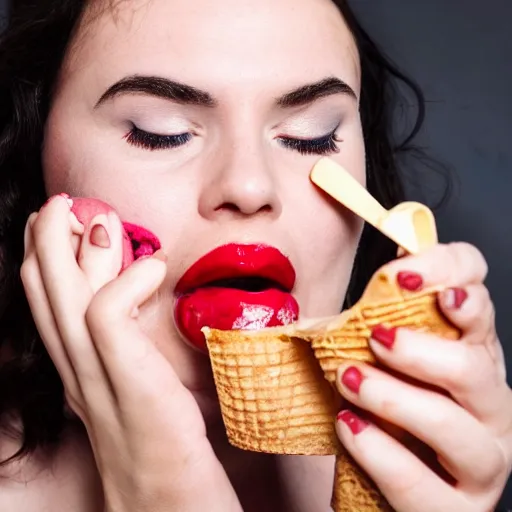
77,229
453,265
470,308
118,303
405,481
42,314
100,254
472,311
125,350
52,239
465,447
68,291
467,372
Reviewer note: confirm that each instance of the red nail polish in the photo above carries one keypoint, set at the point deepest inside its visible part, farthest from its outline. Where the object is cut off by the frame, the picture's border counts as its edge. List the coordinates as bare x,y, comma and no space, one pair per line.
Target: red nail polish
409,281
99,237
384,336
354,422
459,296
352,379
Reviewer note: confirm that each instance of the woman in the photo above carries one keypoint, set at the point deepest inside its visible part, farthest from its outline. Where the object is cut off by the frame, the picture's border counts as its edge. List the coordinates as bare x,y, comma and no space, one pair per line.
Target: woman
201,121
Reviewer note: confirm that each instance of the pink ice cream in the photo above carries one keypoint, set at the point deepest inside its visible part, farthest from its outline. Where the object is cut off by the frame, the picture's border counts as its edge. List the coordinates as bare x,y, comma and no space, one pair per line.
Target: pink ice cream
137,241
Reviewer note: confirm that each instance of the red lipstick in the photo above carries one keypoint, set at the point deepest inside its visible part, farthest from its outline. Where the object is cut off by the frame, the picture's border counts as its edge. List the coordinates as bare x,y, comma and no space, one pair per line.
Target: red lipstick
236,287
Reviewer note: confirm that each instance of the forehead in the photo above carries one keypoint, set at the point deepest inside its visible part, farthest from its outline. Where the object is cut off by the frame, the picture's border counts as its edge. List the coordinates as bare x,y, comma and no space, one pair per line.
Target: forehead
204,41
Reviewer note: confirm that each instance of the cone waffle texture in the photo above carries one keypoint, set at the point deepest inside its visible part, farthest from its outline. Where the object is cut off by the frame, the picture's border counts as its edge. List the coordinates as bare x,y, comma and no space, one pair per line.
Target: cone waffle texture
345,337
272,394
353,491
273,398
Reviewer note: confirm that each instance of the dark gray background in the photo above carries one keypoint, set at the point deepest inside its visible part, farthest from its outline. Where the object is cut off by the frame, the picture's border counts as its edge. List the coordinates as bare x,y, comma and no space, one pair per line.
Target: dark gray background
460,52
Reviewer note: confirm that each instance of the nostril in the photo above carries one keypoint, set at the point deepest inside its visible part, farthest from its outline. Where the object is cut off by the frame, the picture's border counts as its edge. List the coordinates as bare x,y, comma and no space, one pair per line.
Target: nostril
230,207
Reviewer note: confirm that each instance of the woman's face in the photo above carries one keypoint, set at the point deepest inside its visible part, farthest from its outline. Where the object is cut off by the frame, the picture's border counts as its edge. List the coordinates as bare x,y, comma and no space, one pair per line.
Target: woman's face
231,92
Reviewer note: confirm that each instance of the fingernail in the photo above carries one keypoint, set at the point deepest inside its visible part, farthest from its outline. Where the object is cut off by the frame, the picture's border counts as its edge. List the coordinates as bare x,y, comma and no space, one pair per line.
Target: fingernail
352,379
353,421
99,236
67,198
160,255
384,336
409,281
401,252
455,297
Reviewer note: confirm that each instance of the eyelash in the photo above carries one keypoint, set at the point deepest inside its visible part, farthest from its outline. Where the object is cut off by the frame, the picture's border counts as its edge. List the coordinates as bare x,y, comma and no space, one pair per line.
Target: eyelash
152,142
321,146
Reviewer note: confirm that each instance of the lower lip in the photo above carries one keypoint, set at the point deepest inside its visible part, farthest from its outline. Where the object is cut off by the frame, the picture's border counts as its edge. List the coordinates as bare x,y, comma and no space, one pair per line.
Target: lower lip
232,309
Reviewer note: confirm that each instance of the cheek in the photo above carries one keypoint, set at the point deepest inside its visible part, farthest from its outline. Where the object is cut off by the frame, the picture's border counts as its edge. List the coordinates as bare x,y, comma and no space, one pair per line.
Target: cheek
142,193
56,158
329,236
334,236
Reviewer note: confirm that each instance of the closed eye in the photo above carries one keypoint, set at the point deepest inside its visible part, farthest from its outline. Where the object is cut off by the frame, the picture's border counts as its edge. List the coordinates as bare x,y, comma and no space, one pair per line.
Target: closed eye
321,146
152,142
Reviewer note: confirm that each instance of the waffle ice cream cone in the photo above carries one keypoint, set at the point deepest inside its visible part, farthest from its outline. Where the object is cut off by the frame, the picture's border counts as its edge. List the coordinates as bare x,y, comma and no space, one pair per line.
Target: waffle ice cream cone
345,337
353,491
274,398
272,394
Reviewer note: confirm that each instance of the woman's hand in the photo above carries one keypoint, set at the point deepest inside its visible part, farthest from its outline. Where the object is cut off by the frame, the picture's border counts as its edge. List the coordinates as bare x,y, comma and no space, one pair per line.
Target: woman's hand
468,423
145,428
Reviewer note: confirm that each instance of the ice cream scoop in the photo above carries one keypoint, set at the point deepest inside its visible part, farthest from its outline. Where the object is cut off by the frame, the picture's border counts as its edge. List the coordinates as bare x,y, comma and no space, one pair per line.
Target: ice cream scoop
137,240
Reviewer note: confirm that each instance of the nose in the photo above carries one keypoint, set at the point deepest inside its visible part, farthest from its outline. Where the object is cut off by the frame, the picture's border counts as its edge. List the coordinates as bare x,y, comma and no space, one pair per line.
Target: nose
240,181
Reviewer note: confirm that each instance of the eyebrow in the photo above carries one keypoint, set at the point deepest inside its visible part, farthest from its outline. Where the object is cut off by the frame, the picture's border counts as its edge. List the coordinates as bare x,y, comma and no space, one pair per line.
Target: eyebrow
186,94
159,87
311,92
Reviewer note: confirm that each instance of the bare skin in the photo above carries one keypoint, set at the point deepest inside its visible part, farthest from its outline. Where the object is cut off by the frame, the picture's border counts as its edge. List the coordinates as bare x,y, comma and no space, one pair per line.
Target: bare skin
69,478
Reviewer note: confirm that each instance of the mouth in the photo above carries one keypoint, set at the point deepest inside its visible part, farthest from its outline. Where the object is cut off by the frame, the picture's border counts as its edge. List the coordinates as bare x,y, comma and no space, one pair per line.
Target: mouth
235,287
248,284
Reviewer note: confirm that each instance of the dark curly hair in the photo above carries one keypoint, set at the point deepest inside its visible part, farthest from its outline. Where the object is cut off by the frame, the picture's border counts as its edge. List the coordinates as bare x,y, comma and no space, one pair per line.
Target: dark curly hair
32,49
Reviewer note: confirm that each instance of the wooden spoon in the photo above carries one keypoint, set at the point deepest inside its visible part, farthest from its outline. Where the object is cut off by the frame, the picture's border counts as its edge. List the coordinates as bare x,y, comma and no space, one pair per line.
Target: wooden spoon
410,224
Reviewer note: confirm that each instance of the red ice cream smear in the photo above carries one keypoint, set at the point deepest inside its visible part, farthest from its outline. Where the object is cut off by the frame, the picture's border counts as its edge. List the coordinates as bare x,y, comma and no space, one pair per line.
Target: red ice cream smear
144,243
137,241
230,308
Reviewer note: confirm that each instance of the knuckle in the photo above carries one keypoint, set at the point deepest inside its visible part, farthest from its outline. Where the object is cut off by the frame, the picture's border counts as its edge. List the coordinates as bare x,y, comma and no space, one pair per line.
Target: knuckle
73,404
32,218
483,296
101,311
462,372
440,418
467,255
479,303
38,228
95,314
28,273
438,262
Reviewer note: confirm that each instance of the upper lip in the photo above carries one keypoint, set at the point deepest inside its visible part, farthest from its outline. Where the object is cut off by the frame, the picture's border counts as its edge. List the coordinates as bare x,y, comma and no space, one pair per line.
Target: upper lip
239,261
